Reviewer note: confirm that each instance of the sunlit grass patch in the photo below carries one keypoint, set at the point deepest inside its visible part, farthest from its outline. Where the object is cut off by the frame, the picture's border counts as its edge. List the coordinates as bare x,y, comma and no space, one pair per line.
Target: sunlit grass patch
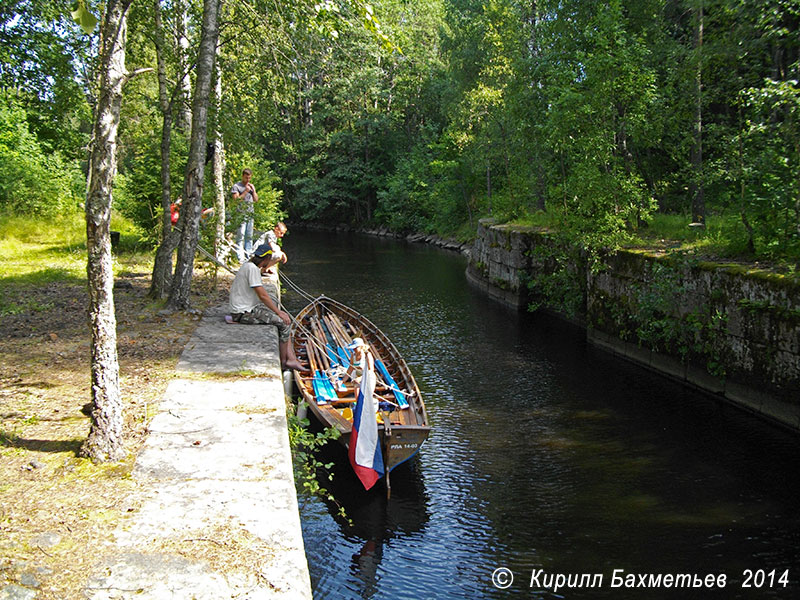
37,252
722,236
42,251
539,218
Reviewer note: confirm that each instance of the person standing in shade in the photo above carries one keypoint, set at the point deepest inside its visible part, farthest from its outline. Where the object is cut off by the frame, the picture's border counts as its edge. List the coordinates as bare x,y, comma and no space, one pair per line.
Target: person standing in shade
244,196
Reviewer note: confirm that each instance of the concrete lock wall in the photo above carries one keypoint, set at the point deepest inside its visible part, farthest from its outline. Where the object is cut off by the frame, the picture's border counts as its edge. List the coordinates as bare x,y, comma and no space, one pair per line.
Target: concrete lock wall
722,329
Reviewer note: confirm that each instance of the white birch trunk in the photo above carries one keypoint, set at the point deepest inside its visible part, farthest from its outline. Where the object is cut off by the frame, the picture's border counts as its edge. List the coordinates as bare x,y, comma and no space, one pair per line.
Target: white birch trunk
195,168
219,171
104,442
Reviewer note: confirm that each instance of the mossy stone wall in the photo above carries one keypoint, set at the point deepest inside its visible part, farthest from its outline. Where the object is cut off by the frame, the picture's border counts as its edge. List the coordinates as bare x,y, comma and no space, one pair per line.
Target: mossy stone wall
720,328
498,261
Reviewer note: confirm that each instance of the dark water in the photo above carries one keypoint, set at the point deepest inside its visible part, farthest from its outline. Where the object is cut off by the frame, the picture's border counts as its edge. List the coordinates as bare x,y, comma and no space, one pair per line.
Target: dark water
545,454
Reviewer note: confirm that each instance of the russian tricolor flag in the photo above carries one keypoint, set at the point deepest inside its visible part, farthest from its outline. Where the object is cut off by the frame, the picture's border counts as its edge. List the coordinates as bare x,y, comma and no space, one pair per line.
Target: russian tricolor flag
365,449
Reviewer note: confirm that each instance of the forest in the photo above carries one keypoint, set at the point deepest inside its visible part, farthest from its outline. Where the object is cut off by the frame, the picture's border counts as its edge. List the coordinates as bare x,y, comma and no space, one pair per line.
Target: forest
423,115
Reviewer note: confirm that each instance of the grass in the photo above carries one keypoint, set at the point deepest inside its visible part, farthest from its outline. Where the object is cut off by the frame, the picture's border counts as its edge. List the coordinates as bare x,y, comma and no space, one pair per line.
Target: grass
45,486
538,219
42,252
723,236
722,241
49,249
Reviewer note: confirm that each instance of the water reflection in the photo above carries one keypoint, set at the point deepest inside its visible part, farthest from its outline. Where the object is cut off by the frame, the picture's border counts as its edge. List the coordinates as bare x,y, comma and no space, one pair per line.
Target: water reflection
371,520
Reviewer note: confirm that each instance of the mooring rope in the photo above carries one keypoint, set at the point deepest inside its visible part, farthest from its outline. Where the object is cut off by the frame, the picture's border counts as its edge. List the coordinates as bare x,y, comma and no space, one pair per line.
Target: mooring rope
291,284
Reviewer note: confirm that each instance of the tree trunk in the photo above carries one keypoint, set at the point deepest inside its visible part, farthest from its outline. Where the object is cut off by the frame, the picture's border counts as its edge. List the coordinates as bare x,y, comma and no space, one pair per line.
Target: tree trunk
489,186
184,120
162,266
696,189
751,246
104,442
195,167
467,203
507,161
219,172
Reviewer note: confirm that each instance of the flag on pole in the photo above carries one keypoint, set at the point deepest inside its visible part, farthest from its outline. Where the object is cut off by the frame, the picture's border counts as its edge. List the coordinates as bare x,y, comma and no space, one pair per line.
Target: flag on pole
365,449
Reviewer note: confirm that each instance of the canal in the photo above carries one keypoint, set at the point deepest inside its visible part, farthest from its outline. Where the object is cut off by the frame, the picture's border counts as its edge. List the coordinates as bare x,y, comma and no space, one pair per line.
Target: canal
547,457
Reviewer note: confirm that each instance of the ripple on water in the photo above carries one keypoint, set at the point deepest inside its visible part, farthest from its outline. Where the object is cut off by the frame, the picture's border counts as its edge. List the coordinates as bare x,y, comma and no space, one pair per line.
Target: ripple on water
543,453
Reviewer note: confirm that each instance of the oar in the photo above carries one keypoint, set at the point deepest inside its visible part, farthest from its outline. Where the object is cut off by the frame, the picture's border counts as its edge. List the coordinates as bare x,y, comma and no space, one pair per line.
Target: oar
343,339
398,395
402,402
336,381
330,342
322,393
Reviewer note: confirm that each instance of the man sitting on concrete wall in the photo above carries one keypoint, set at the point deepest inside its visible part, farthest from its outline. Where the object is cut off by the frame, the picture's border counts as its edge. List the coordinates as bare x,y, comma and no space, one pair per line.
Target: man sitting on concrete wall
253,302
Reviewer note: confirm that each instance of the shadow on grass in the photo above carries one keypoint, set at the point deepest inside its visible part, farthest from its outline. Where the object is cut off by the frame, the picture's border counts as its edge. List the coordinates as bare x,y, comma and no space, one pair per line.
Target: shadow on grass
54,446
43,276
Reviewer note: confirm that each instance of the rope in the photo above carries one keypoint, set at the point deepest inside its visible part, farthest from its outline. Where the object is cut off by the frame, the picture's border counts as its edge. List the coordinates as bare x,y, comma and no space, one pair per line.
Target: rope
214,259
310,337
291,284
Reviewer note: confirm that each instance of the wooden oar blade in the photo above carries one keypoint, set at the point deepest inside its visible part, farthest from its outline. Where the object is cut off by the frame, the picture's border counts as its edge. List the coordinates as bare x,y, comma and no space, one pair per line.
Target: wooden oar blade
323,390
398,395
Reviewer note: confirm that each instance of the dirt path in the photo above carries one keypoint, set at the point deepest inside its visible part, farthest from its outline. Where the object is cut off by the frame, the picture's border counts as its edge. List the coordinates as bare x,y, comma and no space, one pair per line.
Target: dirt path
54,506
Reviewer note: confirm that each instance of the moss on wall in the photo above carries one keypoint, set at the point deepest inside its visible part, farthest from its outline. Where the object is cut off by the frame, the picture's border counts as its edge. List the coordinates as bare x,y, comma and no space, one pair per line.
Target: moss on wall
739,326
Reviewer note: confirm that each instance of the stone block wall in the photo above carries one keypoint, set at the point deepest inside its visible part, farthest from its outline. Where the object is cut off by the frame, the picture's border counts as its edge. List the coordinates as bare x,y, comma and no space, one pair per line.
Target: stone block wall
500,255
721,329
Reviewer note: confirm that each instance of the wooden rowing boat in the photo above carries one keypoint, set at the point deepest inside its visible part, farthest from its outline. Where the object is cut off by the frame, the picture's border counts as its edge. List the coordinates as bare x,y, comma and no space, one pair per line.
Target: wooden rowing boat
321,333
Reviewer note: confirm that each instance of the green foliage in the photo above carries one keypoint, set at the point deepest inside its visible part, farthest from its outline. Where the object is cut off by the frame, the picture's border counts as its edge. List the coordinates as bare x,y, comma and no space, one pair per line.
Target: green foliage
307,467
411,199
427,115
338,107
82,16
137,190
557,284
33,181
791,315
45,61
724,236
771,148
654,318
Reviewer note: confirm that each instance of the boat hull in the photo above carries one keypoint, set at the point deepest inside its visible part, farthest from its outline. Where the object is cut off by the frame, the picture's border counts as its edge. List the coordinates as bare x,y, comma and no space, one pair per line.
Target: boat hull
402,432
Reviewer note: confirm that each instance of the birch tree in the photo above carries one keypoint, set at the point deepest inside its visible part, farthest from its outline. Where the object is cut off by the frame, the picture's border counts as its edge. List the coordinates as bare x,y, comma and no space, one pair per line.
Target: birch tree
105,436
219,169
195,167
162,265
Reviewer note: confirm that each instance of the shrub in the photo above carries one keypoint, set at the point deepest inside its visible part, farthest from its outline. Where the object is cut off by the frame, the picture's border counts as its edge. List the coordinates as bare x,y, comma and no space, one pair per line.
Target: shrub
32,181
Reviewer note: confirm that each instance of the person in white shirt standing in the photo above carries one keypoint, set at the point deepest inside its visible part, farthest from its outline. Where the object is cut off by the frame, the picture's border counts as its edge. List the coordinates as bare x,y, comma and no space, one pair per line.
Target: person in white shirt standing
254,302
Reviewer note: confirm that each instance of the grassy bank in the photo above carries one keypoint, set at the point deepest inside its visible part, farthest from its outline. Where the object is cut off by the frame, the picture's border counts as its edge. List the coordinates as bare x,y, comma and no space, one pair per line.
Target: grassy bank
724,239
57,509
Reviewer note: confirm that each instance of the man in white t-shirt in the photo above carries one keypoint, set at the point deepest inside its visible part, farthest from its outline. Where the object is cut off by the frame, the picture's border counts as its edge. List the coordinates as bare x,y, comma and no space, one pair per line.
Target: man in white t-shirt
253,302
